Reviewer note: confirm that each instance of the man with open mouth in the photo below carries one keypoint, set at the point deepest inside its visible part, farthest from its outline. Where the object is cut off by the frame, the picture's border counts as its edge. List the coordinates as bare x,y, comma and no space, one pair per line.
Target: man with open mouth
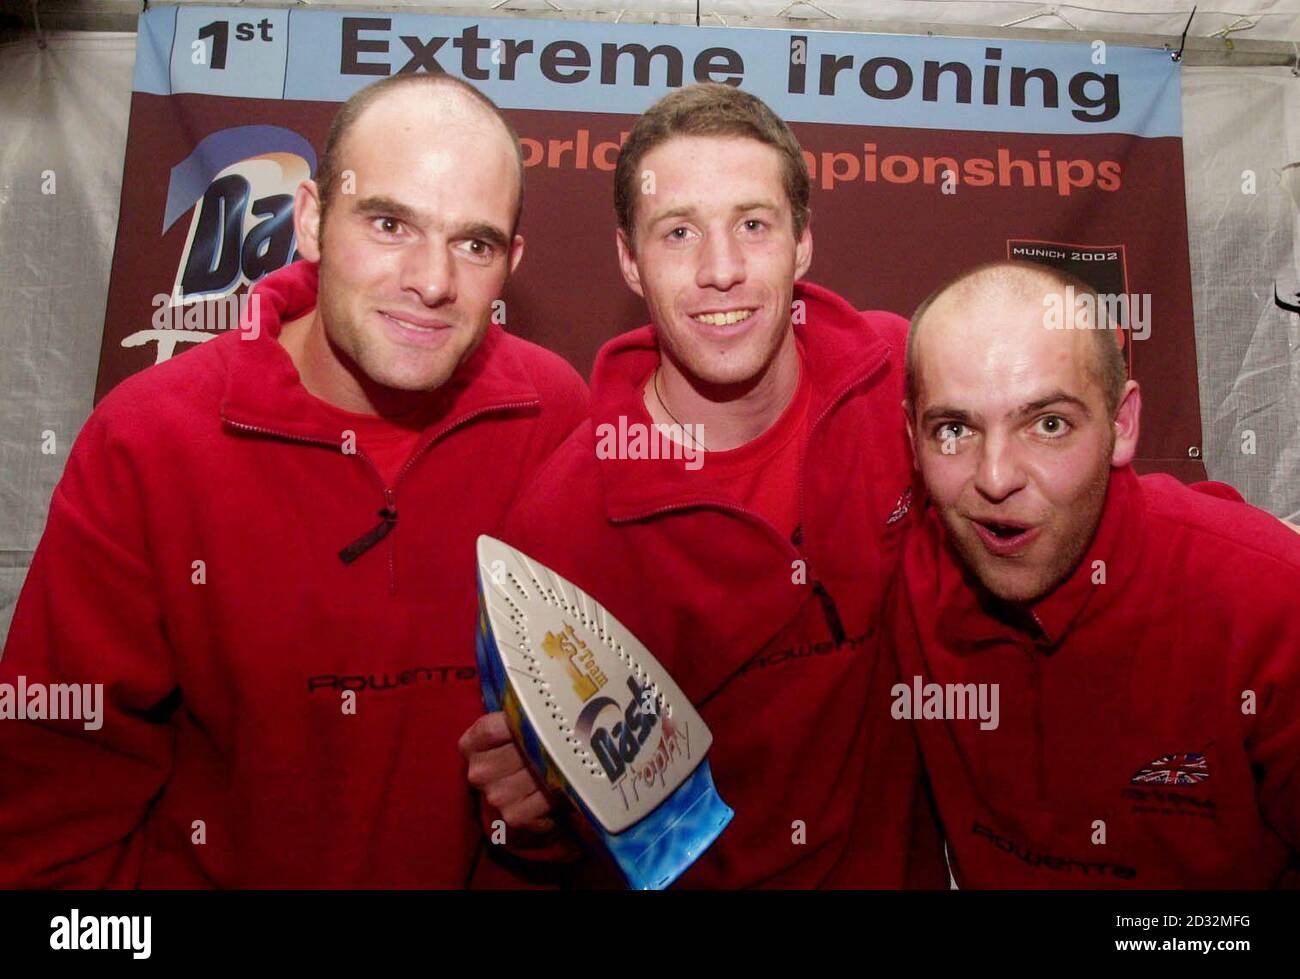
756,577
1143,635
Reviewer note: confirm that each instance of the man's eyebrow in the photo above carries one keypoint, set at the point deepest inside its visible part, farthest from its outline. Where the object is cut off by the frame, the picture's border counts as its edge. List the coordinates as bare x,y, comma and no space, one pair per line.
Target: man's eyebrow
490,233
685,212
389,208
1056,397
671,212
947,413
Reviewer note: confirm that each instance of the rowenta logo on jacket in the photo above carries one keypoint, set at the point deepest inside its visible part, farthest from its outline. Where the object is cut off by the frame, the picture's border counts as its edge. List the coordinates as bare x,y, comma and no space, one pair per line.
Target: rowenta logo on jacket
417,674
237,187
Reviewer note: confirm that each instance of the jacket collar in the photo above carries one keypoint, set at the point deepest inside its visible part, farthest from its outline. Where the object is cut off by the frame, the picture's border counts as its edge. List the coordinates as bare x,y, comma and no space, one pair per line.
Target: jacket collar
265,394
970,617
840,352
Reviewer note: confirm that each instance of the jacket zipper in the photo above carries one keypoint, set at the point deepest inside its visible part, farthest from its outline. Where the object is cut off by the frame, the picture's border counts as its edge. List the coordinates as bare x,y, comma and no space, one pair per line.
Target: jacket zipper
377,533
390,494
812,429
389,512
829,608
388,515
1035,676
831,612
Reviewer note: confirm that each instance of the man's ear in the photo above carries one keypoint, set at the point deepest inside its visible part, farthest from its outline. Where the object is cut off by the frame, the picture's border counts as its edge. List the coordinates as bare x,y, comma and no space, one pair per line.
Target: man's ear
627,263
516,254
306,219
911,432
1128,417
803,250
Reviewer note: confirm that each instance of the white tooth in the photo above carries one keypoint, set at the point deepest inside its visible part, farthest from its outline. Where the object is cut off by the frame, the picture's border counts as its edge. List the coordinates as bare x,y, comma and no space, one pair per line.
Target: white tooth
724,319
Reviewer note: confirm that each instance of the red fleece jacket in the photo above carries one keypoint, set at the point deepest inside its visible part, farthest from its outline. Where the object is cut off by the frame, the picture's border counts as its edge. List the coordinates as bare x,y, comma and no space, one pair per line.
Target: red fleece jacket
776,641
225,756
1154,706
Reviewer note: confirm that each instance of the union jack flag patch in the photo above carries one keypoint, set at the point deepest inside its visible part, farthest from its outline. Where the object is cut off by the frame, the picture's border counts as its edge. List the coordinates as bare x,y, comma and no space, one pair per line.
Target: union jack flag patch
1188,769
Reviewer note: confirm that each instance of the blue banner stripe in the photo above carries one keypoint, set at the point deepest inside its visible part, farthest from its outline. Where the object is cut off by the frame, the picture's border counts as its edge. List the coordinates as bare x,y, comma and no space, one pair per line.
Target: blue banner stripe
967,84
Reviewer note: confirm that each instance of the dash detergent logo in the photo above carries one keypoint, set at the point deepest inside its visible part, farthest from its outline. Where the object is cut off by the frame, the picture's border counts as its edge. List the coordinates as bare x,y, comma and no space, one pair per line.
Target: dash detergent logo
620,738
237,188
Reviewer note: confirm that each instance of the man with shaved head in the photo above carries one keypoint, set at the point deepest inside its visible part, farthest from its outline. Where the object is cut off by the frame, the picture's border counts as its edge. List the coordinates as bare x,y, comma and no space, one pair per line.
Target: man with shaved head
1103,668
263,550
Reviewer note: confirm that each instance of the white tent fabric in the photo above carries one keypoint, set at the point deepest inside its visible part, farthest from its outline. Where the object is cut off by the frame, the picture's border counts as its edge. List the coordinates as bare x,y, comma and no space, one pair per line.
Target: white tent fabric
66,107
1257,20
64,110
1240,126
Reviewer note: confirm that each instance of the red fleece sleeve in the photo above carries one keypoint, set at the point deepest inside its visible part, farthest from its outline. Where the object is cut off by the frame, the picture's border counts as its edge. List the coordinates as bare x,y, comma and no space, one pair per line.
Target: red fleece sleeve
1274,741
1212,487
74,792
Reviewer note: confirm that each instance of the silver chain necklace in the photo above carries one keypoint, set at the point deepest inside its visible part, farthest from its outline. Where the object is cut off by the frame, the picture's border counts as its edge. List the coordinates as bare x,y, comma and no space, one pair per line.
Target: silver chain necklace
660,398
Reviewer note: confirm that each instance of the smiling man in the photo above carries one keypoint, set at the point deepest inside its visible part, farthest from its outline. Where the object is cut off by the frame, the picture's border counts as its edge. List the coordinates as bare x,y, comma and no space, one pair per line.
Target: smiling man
1141,636
285,673
756,576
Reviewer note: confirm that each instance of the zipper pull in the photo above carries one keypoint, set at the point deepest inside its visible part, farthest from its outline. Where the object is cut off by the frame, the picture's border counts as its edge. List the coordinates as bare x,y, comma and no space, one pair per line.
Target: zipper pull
373,536
831,612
